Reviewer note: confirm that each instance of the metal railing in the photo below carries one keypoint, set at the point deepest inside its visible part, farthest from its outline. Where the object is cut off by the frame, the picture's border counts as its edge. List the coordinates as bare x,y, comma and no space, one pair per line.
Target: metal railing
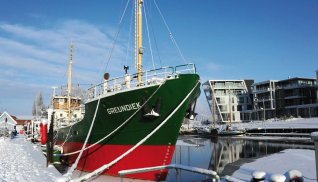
130,81
215,176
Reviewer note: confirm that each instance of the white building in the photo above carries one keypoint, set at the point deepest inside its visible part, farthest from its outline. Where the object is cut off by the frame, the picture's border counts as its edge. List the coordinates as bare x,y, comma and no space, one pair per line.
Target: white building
229,100
264,99
6,121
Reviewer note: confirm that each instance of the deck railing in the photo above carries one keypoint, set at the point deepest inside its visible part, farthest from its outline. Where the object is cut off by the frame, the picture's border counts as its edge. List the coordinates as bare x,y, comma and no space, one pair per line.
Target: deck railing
211,173
129,81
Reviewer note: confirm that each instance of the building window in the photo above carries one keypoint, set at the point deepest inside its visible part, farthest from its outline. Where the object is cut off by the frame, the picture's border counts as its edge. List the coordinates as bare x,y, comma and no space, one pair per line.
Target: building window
239,107
223,108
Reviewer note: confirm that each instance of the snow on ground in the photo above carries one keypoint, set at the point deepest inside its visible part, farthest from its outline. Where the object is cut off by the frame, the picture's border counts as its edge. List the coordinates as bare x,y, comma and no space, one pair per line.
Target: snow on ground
279,163
275,123
20,160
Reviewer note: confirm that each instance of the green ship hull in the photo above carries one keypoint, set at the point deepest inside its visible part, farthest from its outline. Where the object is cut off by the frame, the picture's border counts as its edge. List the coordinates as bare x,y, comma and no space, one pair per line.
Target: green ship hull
124,118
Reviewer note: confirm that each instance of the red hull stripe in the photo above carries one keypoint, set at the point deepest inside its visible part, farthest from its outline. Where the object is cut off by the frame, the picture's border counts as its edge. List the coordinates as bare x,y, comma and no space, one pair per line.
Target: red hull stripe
142,156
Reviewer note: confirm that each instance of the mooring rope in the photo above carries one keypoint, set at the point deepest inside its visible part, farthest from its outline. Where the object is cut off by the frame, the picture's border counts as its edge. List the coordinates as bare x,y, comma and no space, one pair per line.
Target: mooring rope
106,166
71,170
68,133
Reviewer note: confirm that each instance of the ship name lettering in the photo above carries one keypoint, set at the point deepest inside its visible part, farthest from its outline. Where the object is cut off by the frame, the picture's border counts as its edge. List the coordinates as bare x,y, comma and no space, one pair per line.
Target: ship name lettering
124,108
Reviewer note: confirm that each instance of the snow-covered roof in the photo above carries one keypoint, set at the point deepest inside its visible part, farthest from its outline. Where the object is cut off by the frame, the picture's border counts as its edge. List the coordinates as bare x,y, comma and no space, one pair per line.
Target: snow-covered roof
5,117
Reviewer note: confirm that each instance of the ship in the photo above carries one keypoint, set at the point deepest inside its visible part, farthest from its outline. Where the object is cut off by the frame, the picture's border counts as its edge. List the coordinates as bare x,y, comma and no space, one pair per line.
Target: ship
130,122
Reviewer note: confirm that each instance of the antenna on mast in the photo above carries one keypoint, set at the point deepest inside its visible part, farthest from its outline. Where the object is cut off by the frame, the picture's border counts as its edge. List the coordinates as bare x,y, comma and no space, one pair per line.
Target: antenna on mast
54,88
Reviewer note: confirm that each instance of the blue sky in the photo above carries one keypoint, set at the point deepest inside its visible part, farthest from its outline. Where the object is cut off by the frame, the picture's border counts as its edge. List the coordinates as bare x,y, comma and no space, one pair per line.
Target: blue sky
230,39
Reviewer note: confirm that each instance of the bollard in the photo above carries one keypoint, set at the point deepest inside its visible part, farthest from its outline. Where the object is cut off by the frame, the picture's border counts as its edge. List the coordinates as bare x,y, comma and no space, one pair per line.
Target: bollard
278,178
294,175
314,137
258,176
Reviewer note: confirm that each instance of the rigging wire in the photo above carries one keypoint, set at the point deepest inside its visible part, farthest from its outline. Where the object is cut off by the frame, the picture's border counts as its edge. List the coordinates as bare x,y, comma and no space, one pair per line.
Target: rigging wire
147,28
73,167
106,62
129,37
155,39
170,33
136,54
116,37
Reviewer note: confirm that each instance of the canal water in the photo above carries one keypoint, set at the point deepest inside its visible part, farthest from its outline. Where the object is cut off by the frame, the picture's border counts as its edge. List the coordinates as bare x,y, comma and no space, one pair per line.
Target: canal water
224,154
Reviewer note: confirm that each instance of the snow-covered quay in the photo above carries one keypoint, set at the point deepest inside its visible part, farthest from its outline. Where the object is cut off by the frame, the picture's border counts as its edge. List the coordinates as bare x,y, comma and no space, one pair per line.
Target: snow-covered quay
20,160
279,163
276,123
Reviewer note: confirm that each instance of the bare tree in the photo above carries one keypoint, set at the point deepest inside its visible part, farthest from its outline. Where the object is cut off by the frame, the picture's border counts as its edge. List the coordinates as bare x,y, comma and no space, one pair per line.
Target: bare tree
38,106
33,109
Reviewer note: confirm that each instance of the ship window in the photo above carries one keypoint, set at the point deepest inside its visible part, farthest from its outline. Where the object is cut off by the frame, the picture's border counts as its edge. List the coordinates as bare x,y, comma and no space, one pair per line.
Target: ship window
61,115
61,100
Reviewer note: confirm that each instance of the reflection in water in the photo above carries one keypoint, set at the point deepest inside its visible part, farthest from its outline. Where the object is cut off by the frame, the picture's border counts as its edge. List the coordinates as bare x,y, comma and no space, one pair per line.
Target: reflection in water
225,151
223,155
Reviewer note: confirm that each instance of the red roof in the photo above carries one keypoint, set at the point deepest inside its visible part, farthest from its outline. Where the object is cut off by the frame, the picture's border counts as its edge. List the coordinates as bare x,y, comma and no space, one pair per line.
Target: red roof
22,121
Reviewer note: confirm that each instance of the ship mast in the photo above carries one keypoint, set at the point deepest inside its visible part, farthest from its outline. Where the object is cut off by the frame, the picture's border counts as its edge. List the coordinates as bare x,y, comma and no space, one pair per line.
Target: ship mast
69,84
140,49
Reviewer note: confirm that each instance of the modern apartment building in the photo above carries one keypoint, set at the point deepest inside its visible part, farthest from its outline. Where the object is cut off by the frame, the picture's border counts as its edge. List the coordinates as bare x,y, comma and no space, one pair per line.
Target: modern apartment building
317,83
296,97
245,100
264,99
229,100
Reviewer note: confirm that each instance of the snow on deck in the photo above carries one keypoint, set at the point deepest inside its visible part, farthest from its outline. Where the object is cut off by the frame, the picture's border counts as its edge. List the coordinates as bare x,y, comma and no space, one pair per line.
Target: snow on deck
20,160
279,163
